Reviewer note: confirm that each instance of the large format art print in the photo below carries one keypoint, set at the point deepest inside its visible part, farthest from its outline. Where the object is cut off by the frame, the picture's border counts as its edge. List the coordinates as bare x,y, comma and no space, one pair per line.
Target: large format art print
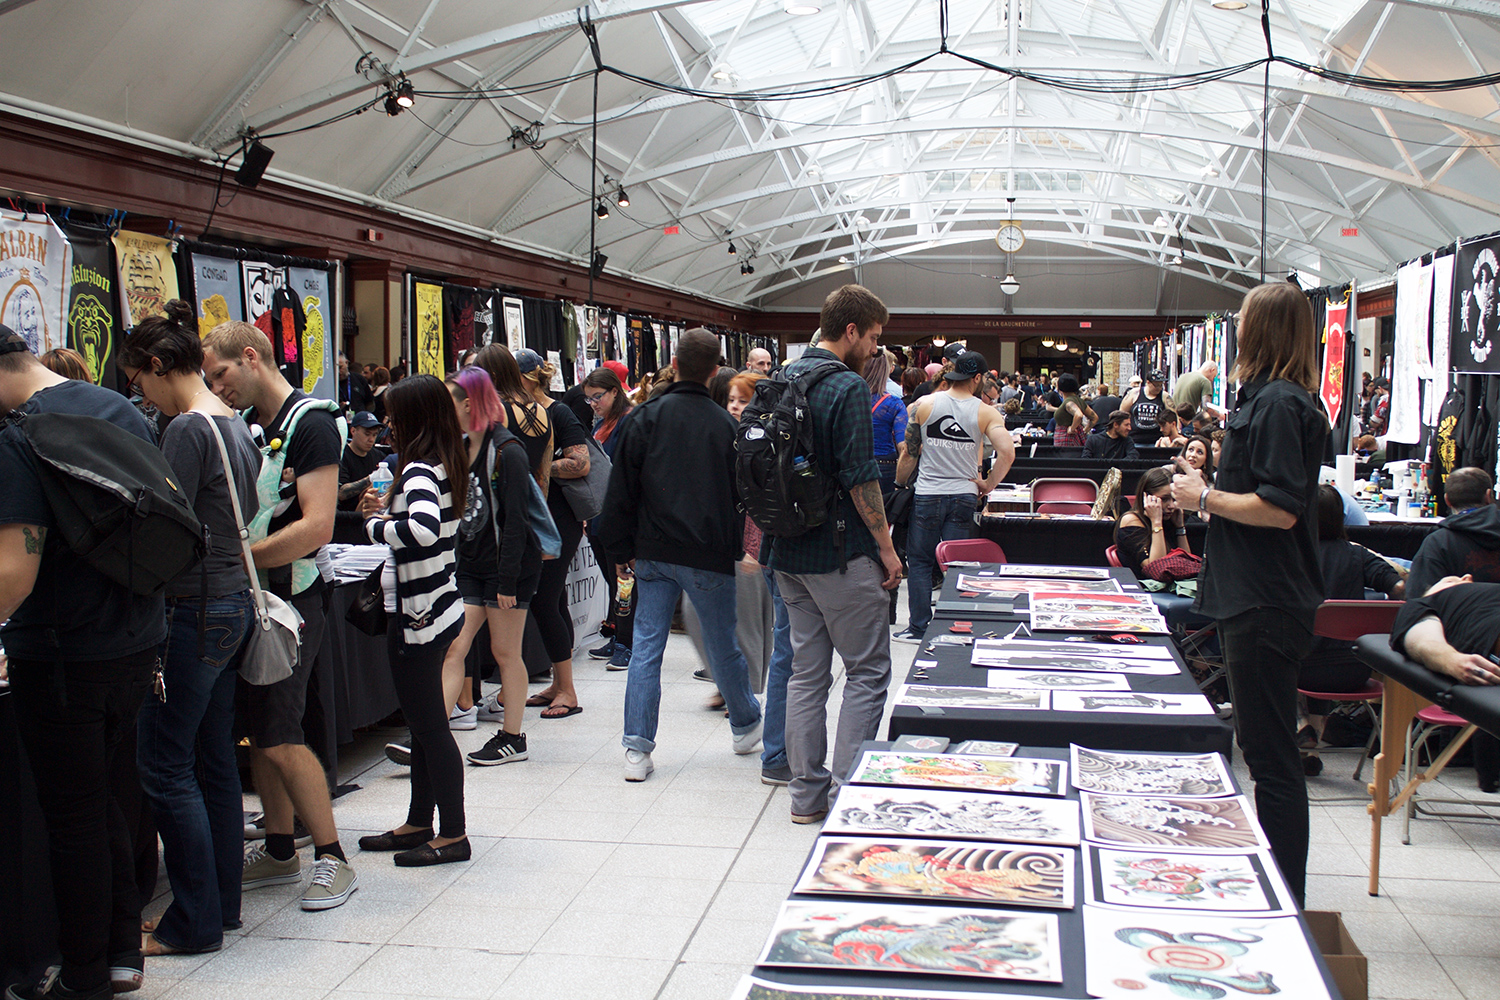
1474,329
760,988
1028,875
989,774
1171,824
1196,883
35,261
931,812
1196,775
936,940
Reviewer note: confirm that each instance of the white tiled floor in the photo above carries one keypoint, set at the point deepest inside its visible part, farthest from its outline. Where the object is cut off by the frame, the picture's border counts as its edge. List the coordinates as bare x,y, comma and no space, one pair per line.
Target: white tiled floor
585,886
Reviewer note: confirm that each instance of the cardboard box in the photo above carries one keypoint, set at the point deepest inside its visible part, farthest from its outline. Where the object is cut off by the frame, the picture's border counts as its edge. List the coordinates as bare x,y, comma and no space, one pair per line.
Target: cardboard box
1350,968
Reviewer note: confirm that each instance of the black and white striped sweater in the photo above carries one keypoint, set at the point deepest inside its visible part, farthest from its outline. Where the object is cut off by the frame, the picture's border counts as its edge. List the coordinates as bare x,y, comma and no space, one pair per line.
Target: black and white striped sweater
421,531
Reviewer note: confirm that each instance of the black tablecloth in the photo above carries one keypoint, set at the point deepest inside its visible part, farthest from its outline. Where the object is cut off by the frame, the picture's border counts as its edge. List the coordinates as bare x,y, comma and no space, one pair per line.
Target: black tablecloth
1070,931
1077,542
1479,705
1119,731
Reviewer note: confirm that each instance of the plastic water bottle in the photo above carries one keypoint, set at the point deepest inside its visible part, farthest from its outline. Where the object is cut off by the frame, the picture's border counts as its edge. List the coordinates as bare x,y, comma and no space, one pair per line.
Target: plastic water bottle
623,590
380,479
801,466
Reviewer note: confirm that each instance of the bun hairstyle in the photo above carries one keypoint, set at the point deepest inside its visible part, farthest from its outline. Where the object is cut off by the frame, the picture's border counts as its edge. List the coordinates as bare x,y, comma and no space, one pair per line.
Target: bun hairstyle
172,339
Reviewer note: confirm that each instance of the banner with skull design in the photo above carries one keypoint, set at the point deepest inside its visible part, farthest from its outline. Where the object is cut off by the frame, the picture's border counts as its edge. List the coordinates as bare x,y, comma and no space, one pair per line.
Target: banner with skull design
94,328
34,261
1475,328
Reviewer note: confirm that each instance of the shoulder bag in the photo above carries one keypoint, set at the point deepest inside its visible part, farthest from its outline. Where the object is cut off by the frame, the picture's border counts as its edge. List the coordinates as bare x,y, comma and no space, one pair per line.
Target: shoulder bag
272,646
586,494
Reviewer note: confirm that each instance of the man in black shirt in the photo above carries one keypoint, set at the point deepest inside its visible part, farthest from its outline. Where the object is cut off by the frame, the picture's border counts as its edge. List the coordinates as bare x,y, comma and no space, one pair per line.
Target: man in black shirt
81,652
354,389
299,487
360,459
1453,629
1115,443
1260,577
1104,404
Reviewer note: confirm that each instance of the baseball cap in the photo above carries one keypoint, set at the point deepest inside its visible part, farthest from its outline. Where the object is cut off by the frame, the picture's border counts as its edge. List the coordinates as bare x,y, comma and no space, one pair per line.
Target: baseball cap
965,366
1156,375
528,360
12,342
952,351
365,419
621,372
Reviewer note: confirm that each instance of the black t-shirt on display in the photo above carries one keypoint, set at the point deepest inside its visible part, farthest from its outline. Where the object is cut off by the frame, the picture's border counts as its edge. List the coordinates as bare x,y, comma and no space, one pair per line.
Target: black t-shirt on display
1470,613
74,612
315,444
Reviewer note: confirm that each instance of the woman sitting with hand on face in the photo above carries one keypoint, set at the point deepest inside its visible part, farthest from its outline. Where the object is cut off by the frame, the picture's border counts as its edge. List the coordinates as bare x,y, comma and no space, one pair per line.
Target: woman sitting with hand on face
1153,526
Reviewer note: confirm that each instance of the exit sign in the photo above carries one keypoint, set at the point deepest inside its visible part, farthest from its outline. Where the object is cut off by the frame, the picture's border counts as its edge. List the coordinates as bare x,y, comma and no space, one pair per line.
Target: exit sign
670,230
1349,231
1085,325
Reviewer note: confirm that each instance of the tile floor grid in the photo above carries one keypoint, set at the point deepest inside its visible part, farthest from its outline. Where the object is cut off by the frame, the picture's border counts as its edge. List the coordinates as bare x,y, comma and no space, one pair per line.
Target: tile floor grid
584,885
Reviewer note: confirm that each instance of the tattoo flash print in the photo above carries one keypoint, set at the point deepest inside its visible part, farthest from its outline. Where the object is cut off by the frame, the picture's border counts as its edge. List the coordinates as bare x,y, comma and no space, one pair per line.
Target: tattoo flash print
1135,702
757,988
1214,825
1004,699
1092,622
1199,883
1183,775
929,812
1006,588
989,774
875,937
1175,956
1069,680
1054,572
942,869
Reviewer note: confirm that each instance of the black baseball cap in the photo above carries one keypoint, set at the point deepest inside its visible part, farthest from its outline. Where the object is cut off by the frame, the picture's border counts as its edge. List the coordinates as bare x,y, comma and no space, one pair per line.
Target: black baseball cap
12,342
365,419
1156,375
952,351
965,366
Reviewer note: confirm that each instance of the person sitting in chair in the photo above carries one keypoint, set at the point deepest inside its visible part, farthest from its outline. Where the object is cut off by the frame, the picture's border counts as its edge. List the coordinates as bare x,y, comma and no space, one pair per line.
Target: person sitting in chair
1115,443
1153,526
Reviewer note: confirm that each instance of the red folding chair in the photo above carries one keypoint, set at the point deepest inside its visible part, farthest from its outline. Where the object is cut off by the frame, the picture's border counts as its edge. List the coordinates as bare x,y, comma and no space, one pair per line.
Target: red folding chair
980,550
1423,728
1346,621
1112,556
1084,491
1065,507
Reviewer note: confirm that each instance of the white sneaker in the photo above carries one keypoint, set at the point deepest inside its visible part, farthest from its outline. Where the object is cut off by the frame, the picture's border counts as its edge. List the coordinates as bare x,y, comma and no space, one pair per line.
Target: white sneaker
490,709
638,766
749,741
461,720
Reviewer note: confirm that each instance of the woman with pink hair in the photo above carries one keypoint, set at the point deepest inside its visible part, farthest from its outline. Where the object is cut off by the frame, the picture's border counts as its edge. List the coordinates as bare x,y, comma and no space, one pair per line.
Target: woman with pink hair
499,565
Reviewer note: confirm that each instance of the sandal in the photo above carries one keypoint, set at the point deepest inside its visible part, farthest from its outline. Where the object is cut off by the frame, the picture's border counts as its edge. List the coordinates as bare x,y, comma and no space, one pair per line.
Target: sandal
561,711
538,701
153,947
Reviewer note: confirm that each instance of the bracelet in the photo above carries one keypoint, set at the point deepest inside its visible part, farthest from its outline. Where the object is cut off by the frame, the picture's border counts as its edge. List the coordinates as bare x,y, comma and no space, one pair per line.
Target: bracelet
1180,532
1203,498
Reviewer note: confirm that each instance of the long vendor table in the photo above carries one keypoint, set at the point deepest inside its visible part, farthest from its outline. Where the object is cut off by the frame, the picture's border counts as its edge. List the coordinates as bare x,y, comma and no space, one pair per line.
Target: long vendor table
1191,962
1124,731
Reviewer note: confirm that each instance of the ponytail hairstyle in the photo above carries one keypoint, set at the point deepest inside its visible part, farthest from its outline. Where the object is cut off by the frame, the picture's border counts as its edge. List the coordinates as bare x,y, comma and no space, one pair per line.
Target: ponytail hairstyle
424,428
172,339
485,411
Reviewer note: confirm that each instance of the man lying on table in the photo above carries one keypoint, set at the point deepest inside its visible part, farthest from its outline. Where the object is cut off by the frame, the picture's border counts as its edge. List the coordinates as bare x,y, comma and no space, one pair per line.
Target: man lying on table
1453,629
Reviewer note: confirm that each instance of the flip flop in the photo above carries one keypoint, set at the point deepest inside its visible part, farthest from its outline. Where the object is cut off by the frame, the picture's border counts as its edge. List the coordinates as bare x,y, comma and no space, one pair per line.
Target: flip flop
563,711
538,701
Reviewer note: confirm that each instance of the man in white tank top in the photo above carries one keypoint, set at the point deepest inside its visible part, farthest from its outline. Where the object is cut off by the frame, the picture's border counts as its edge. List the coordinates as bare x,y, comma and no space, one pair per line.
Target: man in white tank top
944,443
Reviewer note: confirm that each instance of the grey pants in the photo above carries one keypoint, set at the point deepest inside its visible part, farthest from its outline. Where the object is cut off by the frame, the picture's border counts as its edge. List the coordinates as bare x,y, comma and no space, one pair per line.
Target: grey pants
844,612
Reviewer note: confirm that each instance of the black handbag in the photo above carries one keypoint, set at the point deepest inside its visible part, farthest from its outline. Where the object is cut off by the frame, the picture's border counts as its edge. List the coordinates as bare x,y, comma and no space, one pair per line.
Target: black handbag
367,612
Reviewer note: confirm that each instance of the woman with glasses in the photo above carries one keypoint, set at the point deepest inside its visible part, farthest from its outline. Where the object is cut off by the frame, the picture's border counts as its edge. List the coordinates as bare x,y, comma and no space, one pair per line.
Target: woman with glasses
606,396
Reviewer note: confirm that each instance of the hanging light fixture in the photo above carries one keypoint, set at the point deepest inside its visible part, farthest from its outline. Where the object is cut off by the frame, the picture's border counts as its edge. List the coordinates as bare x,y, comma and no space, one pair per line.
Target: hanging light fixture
732,250
1230,4
797,9
406,94
1047,340
938,340
602,210
1010,285
623,200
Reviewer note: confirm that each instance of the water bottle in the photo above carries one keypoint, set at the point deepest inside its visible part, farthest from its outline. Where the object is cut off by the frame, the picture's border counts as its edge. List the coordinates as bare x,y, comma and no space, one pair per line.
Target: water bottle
623,590
380,479
801,466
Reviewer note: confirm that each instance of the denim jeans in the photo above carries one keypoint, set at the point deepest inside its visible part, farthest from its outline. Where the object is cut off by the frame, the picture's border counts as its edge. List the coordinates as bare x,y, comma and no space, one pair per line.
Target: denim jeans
185,750
773,737
936,518
1263,652
657,586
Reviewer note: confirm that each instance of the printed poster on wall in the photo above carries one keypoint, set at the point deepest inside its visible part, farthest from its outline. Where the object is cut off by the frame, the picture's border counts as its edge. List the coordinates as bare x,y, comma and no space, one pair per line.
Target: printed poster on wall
1476,311
93,315
310,285
35,260
1332,391
515,323
484,320
429,341
148,277
261,282
216,287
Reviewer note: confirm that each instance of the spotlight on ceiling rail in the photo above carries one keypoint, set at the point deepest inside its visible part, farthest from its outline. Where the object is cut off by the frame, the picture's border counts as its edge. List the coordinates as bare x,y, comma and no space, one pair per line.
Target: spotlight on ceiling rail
602,211
623,200
732,250
1230,4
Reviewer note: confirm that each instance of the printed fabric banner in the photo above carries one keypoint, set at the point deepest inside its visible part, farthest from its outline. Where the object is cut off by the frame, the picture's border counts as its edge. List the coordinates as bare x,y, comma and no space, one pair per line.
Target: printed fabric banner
35,259
429,345
148,277
93,312
261,282
1332,392
1442,336
310,285
515,323
1476,307
1410,360
216,286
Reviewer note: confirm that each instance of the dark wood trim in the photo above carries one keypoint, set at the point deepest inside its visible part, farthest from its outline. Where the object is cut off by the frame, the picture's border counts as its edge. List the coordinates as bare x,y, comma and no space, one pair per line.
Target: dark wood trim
1371,305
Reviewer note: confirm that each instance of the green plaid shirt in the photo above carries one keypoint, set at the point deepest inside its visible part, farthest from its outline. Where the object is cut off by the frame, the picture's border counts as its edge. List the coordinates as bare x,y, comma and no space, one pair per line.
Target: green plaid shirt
844,442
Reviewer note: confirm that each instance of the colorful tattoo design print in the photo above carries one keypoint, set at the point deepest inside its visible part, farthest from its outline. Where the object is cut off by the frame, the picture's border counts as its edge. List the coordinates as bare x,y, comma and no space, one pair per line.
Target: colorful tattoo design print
991,774
1216,825
925,812
991,873
1200,883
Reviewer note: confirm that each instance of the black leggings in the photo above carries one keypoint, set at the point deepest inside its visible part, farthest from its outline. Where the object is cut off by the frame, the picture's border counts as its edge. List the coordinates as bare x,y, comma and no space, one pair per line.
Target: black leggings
437,769
550,605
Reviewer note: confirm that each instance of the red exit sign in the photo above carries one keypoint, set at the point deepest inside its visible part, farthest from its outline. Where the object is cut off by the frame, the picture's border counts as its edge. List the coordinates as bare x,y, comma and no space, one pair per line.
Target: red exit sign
1349,231
1084,325
670,230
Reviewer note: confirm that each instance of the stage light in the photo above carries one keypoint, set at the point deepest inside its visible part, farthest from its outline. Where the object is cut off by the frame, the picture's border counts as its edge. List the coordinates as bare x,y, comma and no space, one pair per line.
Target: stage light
623,200
603,210
732,250
253,165
405,93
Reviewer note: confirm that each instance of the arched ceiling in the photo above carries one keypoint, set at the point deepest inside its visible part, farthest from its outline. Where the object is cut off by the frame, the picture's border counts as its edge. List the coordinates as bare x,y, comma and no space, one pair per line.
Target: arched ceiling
909,172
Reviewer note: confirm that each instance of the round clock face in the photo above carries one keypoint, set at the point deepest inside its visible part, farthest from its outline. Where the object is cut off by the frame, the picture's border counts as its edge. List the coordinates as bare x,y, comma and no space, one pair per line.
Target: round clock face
1009,237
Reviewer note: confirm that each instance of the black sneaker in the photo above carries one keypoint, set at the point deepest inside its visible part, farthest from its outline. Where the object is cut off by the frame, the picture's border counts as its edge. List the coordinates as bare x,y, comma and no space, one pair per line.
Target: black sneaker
702,674
255,829
776,775
908,634
51,988
603,652
503,748
126,972
399,753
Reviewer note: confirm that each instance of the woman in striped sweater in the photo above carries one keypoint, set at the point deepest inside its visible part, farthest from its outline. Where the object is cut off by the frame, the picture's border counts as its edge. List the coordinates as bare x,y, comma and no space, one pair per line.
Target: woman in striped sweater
425,611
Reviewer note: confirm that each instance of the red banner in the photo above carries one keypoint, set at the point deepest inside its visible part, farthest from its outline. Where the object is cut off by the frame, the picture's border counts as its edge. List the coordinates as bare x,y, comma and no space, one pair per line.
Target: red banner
1332,392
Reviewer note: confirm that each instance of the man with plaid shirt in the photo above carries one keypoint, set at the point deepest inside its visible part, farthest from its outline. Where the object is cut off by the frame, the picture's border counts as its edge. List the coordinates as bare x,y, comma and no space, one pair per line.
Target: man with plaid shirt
834,578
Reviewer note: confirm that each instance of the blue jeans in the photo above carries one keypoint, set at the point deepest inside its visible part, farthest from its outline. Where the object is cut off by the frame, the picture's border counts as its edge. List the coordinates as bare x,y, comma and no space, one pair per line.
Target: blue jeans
657,586
773,737
185,750
936,518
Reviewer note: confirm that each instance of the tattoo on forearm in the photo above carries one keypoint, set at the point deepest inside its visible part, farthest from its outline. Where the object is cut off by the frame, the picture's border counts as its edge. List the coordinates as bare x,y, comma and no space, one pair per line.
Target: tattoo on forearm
349,490
33,539
913,438
570,466
870,504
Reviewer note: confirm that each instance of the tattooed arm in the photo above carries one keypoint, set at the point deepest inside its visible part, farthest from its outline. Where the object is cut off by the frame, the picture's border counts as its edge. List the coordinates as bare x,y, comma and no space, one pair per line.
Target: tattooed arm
871,507
908,461
574,464
20,558
348,491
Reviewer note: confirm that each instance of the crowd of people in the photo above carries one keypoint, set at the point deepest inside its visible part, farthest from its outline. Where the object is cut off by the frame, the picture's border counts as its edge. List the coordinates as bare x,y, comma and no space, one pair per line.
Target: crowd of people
473,483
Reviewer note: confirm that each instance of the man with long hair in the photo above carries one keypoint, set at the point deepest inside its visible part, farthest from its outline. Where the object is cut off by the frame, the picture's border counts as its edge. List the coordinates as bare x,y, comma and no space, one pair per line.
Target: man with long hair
1261,579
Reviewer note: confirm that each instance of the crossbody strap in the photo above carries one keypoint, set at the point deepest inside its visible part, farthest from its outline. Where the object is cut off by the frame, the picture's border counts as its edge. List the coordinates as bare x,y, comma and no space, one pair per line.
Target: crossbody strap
239,518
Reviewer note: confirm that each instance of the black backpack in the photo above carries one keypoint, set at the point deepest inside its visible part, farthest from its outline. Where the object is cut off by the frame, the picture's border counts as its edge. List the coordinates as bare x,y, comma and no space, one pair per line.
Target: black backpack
781,486
114,499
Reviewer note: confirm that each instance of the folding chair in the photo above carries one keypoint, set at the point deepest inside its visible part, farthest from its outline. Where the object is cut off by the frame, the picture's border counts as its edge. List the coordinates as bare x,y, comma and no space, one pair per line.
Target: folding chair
1065,507
1426,725
1084,491
980,550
